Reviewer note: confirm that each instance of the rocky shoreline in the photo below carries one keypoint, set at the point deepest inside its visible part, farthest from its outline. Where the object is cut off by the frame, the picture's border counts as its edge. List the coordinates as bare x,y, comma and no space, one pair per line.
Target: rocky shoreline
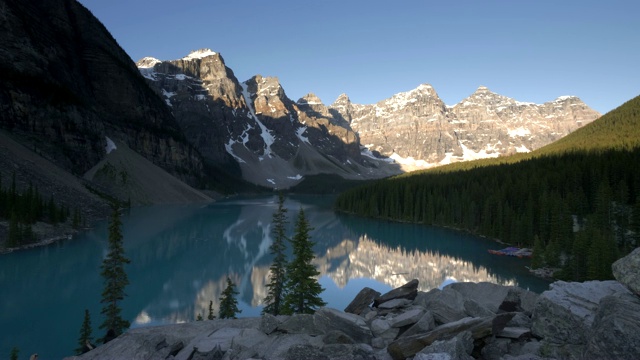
595,319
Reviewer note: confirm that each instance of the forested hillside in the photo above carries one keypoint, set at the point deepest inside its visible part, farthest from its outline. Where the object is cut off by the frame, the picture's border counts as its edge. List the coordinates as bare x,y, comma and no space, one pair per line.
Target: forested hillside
576,201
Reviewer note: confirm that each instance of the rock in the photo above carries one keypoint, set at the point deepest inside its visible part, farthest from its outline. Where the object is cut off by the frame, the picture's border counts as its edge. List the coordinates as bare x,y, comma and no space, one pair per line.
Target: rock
344,351
446,305
279,345
408,317
379,326
478,327
627,271
394,304
306,351
515,333
425,324
564,314
248,338
520,320
362,301
615,332
300,324
205,343
337,337
492,296
511,302
438,356
473,309
382,329
327,319
268,323
495,349
407,291
458,348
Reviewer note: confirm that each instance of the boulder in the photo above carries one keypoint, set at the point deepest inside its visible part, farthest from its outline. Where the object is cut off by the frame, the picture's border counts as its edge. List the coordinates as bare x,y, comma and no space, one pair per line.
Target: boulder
516,333
379,326
446,305
337,337
458,348
207,342
268,323
381,329
405,347
279,345
304,351
425,324
437,356
473,309
394,304
564,314
520,320
486,294
627,271
327,319
408,317
300,324
495,349
615,333
407,291
362,301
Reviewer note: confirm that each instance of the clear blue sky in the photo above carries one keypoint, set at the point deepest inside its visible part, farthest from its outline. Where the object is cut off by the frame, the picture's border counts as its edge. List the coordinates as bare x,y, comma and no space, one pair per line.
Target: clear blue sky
527,50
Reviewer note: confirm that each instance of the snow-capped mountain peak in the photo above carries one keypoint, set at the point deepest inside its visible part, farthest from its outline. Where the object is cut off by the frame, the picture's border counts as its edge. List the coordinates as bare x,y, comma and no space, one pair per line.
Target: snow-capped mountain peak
147,62
199,54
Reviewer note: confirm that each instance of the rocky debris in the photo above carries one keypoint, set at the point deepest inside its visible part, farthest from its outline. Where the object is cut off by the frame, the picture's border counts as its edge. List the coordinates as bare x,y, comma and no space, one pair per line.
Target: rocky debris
615,332
597,319
407,291
362,301
564,314
627,271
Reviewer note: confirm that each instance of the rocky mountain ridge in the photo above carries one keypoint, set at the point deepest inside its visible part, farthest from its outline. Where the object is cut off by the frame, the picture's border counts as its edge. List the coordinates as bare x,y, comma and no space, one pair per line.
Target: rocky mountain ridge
274,140
277,141
418,130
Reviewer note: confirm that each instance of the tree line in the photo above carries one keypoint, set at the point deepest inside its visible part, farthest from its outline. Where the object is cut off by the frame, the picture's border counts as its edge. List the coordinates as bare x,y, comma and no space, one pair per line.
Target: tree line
580,211
25,208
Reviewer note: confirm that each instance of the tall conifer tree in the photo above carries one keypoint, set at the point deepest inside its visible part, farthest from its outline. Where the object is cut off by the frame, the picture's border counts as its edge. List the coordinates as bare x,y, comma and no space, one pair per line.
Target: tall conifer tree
275,289
303,289
228,302
85,334
115,279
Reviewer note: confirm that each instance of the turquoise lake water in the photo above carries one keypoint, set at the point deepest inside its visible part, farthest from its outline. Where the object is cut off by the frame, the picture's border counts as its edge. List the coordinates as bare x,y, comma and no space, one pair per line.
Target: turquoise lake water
181,256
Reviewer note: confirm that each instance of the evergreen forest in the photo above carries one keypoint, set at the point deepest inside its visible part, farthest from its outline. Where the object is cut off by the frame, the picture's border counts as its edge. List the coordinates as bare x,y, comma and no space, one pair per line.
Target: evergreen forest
25,208
576,201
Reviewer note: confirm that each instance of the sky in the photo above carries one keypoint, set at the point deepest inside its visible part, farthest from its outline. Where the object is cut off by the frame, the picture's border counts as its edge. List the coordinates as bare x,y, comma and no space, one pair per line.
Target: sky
532,51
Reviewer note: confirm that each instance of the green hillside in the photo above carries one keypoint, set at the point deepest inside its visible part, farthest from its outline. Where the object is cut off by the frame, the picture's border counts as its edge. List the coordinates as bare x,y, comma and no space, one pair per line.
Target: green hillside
576,201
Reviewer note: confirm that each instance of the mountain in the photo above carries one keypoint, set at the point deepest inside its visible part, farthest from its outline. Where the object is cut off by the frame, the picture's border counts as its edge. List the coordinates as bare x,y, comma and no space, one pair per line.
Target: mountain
67,90
253,125
575,201
418,130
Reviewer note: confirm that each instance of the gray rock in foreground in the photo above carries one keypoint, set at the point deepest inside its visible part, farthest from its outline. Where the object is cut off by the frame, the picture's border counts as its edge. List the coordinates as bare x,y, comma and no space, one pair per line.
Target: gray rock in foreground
597,319
627,271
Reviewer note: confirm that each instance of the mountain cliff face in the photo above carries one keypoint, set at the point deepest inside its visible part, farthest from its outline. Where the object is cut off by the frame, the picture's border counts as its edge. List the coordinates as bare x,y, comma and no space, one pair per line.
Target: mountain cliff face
417,128
275,141
65,85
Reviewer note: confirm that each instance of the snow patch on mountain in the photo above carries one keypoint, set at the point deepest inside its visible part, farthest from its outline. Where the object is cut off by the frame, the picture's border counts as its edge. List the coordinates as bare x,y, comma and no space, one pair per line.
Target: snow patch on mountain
110,145
268,138
199,54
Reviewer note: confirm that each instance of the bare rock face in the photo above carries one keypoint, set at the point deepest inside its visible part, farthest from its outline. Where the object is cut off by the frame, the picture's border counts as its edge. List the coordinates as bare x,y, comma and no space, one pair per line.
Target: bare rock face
615,333
253,125
65,84
419,125
627,271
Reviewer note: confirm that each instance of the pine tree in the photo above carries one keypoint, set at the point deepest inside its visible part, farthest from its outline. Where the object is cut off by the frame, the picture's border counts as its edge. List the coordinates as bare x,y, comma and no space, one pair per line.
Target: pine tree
303,289
115,279
275,289
228,302
14,353
211,316
85,334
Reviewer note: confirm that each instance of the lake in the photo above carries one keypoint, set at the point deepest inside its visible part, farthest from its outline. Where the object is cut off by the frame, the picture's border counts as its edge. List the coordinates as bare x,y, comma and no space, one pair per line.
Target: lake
182,255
